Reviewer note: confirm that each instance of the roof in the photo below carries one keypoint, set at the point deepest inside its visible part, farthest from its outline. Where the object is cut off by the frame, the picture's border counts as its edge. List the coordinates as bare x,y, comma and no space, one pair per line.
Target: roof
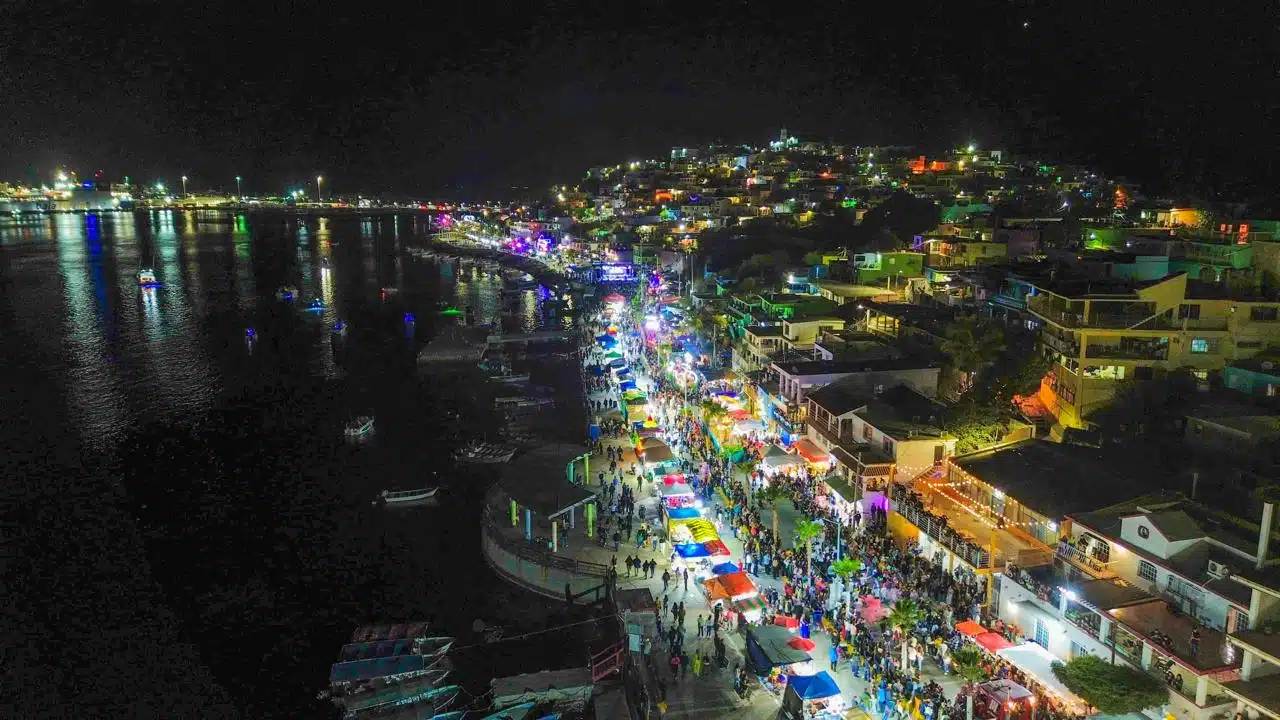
1175,525
836,367
1104,594
764,330
903,413
1080,478
838,399
539,480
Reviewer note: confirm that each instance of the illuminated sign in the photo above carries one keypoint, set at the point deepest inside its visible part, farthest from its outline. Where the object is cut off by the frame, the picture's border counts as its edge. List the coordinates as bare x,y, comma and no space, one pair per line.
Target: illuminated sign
615,272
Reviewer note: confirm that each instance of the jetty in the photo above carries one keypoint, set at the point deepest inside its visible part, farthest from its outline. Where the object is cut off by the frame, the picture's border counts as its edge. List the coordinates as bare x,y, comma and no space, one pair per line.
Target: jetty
530,337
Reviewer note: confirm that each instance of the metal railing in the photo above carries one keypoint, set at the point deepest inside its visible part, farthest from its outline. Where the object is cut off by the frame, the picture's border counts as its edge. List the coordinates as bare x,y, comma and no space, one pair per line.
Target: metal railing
936,527
536,552
1079,557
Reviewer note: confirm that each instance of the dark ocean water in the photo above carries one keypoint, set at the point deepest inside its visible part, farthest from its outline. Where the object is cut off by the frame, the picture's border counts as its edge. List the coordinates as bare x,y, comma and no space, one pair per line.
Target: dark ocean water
184,530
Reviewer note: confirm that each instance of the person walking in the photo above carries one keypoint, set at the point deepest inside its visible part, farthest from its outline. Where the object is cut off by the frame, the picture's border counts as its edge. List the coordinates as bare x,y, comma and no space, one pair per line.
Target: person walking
666,579
834,656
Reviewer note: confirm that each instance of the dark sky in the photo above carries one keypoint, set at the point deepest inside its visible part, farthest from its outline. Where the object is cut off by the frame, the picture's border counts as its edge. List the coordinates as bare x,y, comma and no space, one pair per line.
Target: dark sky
465,100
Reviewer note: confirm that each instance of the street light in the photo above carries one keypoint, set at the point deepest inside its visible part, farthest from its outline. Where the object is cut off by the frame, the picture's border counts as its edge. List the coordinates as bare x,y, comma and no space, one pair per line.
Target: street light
238,193
319,180
184,185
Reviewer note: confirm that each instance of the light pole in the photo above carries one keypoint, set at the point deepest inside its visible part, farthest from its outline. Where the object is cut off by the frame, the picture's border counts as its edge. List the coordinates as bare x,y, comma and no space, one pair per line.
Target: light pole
238,193
184,185
319,180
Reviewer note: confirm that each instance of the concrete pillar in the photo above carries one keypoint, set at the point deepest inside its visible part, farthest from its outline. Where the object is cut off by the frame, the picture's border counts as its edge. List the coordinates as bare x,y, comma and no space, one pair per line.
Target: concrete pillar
1246,667
555,536
1062,603
1202,689
1104,629
571,514
1147,654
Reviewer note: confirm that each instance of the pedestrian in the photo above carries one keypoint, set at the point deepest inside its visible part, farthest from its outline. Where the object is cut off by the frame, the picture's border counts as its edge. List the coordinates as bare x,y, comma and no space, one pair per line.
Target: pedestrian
686,579
834,656
666,579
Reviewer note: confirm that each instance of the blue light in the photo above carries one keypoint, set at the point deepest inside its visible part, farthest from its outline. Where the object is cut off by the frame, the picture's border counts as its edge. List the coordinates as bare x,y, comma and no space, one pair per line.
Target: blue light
250,333
408,317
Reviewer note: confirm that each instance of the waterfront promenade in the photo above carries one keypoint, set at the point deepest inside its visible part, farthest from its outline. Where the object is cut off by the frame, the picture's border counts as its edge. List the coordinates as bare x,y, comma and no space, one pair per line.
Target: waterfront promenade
581,561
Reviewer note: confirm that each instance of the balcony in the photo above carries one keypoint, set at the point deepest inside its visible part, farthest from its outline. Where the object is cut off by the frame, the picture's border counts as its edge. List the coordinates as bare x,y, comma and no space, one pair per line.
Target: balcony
1077,557
1152,620
1127,352
1066,346
938,528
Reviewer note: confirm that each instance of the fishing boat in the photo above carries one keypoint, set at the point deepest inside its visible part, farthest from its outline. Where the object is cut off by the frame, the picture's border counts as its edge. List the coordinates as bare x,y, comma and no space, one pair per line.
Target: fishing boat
147,278
517,401
484,453
407,497
511,378
340,329
428,704
372,649
316,305
287,293
373,695
359,427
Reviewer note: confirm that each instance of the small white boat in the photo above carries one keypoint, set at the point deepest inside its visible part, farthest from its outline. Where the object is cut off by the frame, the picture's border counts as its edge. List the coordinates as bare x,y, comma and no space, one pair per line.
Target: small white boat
406,497
506,403
511,378
147,278
359,427
484,453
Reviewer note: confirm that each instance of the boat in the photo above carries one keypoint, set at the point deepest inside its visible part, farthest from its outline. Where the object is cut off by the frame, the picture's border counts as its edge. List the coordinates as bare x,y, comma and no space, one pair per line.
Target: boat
484,453
316,305
517,401
389,291
359,427
372,649
511,378
428,704
288,293
371,695
147,278
340,329
408,497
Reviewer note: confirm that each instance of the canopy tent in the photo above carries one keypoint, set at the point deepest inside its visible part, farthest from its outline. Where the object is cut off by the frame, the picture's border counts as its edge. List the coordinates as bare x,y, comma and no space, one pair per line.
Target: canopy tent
628,385
617,363
810,451
622,374
613,355
813,687
969,628
747,427
656,455
767,648
717,548
1038,663
607,340
692,550
730,586
699,530
800,643
752,604
630,395
684,513
1004,691
725,568
993,642
739,415
652,442
674,479
778,458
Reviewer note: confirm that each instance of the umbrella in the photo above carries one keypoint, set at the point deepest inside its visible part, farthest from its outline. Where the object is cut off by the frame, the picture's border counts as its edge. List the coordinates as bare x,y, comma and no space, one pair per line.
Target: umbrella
800,643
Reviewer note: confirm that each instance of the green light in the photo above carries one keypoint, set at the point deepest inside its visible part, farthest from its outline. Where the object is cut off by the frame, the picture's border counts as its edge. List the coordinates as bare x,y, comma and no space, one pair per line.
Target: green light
451,311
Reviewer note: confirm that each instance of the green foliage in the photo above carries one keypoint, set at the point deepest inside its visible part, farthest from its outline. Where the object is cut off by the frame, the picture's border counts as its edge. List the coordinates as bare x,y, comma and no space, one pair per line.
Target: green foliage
972,343
713,409
813,258
906,614
809,530
845,568
966,661
769,497
904,215
1112,689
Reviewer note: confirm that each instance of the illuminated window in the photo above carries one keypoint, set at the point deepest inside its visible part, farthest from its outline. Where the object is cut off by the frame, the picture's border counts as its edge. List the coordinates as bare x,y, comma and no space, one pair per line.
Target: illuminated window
1200,345
1146,570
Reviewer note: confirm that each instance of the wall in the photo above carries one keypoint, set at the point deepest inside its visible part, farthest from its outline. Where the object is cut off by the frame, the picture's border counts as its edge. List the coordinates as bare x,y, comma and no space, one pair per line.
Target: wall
1013,609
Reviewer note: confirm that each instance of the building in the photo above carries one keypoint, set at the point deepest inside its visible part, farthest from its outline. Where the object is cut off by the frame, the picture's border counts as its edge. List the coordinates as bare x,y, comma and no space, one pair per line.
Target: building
890,269
1234,432
868,375
800,332
759,344
1098,333
1257,690
1256,376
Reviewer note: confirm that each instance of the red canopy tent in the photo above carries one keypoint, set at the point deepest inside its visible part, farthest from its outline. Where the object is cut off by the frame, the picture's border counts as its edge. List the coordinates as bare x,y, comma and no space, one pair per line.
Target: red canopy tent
992,641
969,628
811,452
614,298
673,479
800,643
717,548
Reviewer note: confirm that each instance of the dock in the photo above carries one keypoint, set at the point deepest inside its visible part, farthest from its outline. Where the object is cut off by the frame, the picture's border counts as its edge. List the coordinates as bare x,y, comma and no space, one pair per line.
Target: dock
532,337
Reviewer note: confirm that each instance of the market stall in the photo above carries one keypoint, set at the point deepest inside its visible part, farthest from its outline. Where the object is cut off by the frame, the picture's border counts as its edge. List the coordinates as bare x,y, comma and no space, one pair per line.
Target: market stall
1037,663
729,587
812,697
777,460
1003,700
970,629
817,457
767,650
992,642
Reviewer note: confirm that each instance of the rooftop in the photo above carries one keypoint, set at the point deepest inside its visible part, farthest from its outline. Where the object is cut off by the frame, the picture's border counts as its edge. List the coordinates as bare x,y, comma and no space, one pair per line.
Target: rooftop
1081,478
764,330
539,480
834,367
1105,594
1147,618
1261,691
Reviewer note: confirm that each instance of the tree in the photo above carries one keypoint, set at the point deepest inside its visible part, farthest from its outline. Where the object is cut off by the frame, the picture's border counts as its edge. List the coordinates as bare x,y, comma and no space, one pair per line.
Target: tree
1112,689
808,531
904,215
845,569
906,614
967,663
770,496
971,344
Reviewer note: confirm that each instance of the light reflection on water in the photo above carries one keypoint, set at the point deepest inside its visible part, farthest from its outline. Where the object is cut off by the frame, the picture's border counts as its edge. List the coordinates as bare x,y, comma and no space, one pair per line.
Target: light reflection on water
126,356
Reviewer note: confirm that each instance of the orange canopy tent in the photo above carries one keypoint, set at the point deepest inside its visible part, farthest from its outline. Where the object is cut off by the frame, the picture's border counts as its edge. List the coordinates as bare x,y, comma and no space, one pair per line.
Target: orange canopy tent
731,586
969,628
811,452
992,641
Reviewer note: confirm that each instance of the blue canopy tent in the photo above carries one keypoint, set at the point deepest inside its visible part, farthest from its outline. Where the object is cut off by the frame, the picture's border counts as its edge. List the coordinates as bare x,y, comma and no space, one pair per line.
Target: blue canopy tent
607,340
692,550
683,513
725,569
618,363
593,432
767,648
814,687
627,385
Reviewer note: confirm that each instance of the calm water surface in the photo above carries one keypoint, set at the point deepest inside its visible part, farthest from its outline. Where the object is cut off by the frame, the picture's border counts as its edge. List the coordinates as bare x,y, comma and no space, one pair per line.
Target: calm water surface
181,498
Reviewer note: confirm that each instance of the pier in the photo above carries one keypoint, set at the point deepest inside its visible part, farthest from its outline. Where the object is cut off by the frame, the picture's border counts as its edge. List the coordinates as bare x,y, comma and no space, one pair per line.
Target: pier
530,337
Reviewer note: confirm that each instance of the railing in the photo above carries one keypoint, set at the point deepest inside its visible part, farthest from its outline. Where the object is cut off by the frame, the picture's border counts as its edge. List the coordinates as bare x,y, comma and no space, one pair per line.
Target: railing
1119,352
606,662
1079,557
537,553
937,528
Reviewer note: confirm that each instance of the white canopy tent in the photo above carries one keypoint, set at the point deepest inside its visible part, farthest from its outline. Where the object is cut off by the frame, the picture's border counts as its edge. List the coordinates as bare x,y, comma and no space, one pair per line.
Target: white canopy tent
1038,663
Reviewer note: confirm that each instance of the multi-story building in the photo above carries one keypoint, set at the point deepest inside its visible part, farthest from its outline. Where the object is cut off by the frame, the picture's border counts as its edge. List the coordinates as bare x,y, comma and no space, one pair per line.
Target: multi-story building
759,344
1100,332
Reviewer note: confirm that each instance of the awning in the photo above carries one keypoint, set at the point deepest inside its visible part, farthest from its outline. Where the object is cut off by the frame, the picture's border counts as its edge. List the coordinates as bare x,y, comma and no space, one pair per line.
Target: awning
993,642
778,458
717,548
811,452
767,648
747,427
751,604
840,486
814,687
692,550
969,628
1038,663
731,586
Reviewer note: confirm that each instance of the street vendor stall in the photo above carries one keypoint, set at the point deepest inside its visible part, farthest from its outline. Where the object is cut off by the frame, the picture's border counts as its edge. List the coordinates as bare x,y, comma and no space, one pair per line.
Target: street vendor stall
1003,700
812,697
970,629
1037,664
729,587
777,459
813,454
770,654
992,642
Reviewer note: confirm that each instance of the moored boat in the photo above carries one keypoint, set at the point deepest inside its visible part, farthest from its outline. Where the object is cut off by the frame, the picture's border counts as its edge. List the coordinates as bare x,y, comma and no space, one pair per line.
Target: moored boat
340,329
287,293
484,453
317,305
147,278
359,426
408,497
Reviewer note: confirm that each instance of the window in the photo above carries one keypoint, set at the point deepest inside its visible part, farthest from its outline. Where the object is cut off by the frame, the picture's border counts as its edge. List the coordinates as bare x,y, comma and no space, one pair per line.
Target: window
888,446
866,431
1189,311
1200,345
1146,570
1264,314
1042,634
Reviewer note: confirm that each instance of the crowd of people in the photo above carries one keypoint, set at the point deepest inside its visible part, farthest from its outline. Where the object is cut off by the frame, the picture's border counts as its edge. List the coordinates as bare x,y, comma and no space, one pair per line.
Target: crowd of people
866,639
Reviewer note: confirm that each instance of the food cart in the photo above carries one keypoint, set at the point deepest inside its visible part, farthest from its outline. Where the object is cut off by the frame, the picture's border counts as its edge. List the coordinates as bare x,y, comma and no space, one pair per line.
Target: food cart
812,697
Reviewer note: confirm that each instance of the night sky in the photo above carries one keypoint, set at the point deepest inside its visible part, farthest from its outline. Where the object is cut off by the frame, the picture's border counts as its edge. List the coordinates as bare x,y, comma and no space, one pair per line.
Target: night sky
467,100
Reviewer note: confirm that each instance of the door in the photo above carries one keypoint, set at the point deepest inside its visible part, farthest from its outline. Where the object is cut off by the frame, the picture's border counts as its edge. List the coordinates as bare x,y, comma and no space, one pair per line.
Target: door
1042,634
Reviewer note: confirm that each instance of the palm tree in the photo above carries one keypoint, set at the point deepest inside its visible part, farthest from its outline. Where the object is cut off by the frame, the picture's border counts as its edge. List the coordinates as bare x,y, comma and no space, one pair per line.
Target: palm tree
808,531
771,495
906,614
845,569
971,344
967,663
